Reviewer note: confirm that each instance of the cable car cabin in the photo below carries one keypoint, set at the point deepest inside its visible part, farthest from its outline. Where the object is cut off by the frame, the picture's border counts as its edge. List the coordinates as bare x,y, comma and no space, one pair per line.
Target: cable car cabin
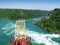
22,41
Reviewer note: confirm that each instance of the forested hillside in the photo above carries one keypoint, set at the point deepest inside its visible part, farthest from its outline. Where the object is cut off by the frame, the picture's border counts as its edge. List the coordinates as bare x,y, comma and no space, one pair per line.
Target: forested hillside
21,14
51,22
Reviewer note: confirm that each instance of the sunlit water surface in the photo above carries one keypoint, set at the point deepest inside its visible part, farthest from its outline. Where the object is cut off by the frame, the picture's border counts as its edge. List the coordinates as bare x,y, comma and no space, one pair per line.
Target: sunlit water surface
37,35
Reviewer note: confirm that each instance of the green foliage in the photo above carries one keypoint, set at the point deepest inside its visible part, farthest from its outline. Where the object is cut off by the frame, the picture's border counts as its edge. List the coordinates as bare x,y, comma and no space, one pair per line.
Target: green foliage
51,24
21,14
41,44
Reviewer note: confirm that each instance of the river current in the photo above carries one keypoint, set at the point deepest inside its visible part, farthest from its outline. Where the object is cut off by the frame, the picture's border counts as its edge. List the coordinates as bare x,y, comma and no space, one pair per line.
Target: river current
37,34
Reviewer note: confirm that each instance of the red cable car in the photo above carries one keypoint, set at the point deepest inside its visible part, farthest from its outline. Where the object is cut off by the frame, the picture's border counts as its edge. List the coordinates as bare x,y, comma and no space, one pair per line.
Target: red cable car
22,41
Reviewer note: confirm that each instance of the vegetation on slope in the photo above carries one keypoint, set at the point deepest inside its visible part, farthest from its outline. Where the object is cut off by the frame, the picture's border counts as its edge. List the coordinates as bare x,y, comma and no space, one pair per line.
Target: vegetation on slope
21,14
51,22
41,44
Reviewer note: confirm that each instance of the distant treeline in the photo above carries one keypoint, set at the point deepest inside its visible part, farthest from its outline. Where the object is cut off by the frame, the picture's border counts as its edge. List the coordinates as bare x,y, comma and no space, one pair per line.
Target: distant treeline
51,22
21,14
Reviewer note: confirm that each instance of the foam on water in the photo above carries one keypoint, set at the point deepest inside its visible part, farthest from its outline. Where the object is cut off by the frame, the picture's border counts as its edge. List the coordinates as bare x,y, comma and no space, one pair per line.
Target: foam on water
37,37
41,38
8,29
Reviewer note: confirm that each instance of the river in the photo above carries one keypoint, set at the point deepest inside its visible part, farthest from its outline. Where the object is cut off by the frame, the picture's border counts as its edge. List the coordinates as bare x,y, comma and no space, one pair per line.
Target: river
37,34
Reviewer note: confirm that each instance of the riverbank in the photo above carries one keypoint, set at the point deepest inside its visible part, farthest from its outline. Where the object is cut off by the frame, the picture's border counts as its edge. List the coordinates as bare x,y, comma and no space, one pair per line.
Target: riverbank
51,23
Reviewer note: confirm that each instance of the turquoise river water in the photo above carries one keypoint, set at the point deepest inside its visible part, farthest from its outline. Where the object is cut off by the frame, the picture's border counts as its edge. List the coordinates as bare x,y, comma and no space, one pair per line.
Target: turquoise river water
37,34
